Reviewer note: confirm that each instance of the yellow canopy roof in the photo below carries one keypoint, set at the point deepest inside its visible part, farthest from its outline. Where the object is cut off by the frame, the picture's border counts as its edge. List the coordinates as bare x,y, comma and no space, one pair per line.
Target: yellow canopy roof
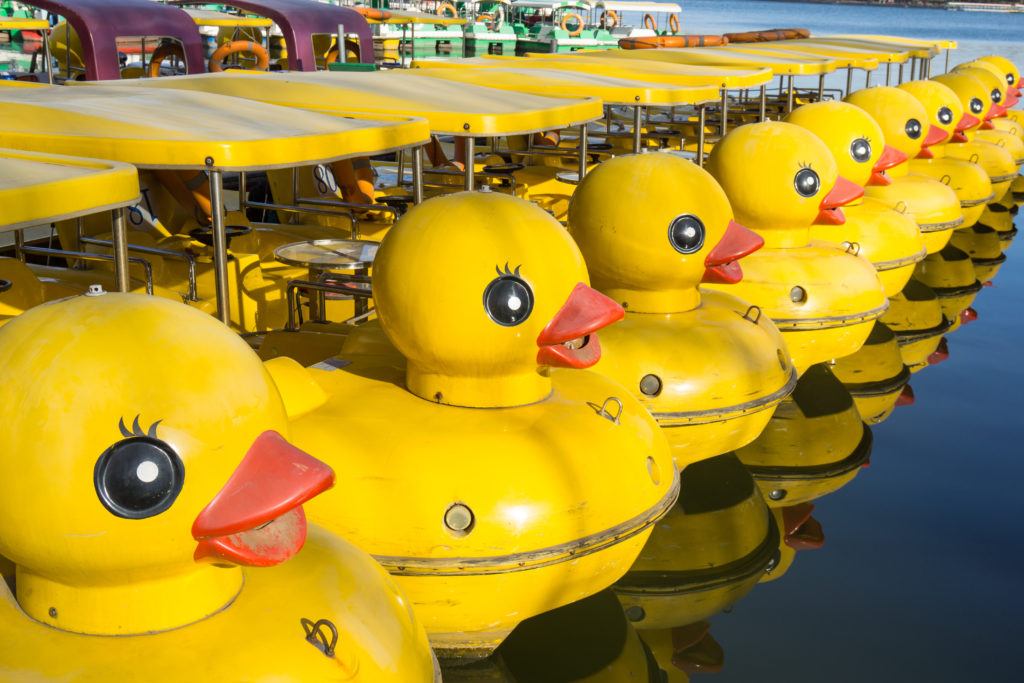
593,63
23,24
891,53
206,17
154,128
899,41
42,188
841,57
724,57
550,82
449,107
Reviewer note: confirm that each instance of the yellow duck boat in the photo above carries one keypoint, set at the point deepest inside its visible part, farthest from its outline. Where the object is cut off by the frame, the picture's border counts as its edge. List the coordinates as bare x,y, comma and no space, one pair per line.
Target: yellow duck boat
905,123
917,319
780,179
967,179
875,376
710,551
890,240
1008,138
586,471
708,366
178,538
976,101
815,443
38,189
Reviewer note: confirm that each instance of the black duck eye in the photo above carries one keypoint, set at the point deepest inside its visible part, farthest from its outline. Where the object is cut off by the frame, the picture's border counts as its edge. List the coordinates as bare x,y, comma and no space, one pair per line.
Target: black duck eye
686,233
860,150
1009,79
996,95
976,105
945,116
807,182
508,300
138,477
913,129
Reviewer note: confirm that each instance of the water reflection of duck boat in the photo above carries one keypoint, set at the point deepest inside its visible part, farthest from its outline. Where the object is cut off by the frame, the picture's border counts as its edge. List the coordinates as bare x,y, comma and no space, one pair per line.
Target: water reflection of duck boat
916,317
875,376
813,445
950,274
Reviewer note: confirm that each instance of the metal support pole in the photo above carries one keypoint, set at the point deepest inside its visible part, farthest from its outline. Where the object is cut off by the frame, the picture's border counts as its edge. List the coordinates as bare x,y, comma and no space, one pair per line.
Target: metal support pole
899,76
19,244
120,239
243,192
821,87
867,78
417,175
47,56
220,242
470,153
637,129
947,61
725,113
764,103
888,72
849,80
582,148
342,53
789,98
701,123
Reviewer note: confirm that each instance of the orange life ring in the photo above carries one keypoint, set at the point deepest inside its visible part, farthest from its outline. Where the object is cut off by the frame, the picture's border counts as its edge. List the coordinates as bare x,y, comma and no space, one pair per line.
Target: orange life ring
549,139
161,53
673,23
236,46
579,24
609,19
447,7
768,35
373,13
649,42
650,23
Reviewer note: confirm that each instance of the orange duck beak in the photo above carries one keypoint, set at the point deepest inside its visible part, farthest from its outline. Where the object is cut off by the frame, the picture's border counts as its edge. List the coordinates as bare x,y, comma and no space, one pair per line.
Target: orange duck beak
966,122
569,340
935,136
722,265
257,520
890,157
842,193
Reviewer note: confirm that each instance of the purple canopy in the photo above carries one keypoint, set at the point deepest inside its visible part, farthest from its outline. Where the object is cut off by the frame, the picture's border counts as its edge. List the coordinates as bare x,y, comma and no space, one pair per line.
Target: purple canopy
99,23
300,19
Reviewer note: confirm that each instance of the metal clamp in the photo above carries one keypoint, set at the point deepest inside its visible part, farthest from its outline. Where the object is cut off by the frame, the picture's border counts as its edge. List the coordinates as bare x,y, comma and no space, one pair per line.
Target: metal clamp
603,411
316,637
757,314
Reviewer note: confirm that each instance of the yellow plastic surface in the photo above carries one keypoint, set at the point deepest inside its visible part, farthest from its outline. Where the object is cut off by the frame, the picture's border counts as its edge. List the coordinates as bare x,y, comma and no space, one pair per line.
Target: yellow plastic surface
404,16
940,44
842,59
450,108
41,188
23,24
595,63
723,56
152,128
554,83
892,53
207,17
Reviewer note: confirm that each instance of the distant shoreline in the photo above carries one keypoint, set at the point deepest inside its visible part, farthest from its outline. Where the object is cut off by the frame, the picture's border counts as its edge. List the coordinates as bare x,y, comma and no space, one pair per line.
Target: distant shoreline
916,4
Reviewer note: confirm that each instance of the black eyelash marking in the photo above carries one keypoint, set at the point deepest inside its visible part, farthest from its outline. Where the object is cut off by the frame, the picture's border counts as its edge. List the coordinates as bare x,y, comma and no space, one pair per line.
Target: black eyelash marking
137,428
507,272
804,164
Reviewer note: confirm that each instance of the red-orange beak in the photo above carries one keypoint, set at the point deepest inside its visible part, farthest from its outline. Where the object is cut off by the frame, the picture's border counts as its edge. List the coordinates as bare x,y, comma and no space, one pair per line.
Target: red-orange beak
843,192
257,519
890,157
940,354
906,397
695,651
935,136
802,532
966,122
995,111
968,315
721,265
1012,97
569,341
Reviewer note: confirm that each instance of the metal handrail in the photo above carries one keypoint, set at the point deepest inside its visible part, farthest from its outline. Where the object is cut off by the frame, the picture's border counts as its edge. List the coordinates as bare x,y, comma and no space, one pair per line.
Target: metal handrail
87,256
189,259
297,209
295,320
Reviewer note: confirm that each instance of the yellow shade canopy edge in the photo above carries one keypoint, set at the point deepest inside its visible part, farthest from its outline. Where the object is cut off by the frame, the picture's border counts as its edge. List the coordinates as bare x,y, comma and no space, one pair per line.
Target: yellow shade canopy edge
449,108
41,188
155,128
